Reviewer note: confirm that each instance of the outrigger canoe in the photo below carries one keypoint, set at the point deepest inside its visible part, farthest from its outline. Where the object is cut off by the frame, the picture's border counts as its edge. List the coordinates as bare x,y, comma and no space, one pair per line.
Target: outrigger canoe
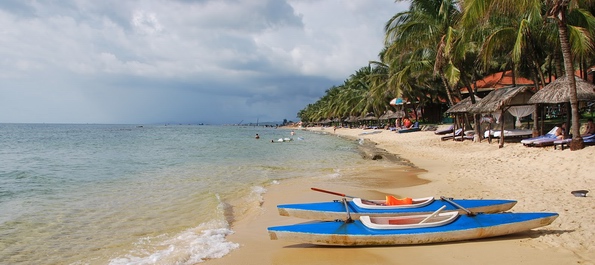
333,210
412,229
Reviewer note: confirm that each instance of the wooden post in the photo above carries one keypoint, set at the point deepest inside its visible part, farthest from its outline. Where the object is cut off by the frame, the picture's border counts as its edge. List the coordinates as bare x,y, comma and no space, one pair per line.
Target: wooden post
501,129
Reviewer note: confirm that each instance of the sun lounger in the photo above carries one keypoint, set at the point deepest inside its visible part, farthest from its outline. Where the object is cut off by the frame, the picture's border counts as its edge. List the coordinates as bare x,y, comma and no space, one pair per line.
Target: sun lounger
561,143
413,128
508,133
543,140
488,133
466,135
457,133
588,140
445,131
514,133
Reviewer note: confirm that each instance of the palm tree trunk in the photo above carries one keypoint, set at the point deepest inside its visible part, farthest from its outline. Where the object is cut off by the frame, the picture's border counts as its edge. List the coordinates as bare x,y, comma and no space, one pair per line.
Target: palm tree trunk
448,90
476,117
560,13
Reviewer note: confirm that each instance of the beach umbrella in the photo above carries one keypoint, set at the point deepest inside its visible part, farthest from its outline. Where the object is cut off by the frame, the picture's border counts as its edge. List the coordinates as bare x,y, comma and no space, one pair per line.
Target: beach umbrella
396,102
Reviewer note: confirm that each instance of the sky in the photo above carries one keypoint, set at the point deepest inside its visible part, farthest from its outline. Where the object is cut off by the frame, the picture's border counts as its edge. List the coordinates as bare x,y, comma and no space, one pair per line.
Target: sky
180,61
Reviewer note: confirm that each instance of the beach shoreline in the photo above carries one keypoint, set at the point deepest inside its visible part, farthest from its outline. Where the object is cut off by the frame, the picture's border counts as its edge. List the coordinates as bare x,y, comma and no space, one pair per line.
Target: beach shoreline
540,179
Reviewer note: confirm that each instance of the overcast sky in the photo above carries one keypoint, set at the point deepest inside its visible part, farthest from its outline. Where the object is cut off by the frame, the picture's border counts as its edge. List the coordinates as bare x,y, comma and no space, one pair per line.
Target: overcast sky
180,61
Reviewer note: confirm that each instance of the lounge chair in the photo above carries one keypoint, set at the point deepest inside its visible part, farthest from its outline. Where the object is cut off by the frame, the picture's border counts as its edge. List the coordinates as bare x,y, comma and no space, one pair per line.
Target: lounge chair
588,140
413,128
457,133
445,131
514,133
542,140
466,135
562,143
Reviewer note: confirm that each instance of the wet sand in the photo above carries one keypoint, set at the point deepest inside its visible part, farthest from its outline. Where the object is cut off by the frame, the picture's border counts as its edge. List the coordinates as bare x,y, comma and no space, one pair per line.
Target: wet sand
540,179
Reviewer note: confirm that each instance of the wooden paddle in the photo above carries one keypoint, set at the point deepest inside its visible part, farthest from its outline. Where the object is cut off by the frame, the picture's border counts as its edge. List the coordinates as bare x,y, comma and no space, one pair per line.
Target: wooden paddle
469,213
344,195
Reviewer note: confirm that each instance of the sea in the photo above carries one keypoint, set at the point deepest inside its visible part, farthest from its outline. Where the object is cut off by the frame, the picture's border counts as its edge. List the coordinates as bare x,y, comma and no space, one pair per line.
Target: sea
144,194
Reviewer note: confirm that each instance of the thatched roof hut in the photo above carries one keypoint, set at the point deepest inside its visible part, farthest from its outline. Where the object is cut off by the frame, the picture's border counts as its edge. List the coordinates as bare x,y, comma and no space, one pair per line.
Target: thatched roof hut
369,117
499,99
559,92
389,114
463,106
351,119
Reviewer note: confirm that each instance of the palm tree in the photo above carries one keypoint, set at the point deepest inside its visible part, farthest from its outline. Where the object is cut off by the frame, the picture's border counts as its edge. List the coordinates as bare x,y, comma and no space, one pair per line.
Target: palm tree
556,9
417,37
558,12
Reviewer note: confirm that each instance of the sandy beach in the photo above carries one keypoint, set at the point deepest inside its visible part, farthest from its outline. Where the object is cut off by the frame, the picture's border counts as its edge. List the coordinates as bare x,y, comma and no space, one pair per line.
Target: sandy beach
540,179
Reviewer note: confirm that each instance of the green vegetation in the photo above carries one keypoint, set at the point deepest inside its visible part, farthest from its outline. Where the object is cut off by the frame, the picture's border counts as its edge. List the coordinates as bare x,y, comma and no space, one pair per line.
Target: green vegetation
438,47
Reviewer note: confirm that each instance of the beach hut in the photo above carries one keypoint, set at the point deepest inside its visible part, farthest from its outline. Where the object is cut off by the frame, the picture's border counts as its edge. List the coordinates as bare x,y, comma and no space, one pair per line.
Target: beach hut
351,120
369,119
501,100
558,92
461,109
389,114
386,115
463,106
392,115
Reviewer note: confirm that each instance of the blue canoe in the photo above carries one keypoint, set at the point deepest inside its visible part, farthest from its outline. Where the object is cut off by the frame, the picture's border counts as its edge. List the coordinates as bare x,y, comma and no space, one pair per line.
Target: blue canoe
464,227
333,210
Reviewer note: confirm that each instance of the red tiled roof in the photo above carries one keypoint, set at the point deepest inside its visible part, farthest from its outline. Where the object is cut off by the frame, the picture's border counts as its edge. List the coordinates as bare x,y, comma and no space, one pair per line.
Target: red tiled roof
498,80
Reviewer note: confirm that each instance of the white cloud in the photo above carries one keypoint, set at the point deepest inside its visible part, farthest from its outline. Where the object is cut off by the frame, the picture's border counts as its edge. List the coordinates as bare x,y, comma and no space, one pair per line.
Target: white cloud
261,54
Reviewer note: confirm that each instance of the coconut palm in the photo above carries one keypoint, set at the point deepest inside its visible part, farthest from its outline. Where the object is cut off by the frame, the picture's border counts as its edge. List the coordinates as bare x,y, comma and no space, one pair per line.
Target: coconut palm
421,39
558,10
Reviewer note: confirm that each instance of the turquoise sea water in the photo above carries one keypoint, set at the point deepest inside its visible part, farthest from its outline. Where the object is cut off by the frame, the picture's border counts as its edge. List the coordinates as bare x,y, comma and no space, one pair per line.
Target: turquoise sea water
151,194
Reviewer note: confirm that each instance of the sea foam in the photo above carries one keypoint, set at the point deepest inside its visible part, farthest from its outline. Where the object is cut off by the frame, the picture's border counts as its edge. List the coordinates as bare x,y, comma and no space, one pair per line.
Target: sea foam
191,246
207,241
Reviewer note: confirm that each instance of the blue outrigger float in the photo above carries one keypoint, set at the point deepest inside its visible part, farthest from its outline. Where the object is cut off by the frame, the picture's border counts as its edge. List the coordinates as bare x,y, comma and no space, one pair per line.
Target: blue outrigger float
408,230
338,209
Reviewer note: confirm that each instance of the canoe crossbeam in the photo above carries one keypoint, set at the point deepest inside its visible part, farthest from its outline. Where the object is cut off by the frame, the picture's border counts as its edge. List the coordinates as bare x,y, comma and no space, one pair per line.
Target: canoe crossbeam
349,220
433,214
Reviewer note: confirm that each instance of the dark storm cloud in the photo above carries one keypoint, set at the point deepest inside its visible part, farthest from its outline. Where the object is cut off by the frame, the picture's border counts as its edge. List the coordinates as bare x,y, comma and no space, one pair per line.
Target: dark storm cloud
179,61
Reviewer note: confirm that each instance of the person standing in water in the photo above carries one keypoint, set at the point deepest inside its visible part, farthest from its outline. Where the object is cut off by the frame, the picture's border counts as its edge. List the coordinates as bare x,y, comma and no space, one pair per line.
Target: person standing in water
257,136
